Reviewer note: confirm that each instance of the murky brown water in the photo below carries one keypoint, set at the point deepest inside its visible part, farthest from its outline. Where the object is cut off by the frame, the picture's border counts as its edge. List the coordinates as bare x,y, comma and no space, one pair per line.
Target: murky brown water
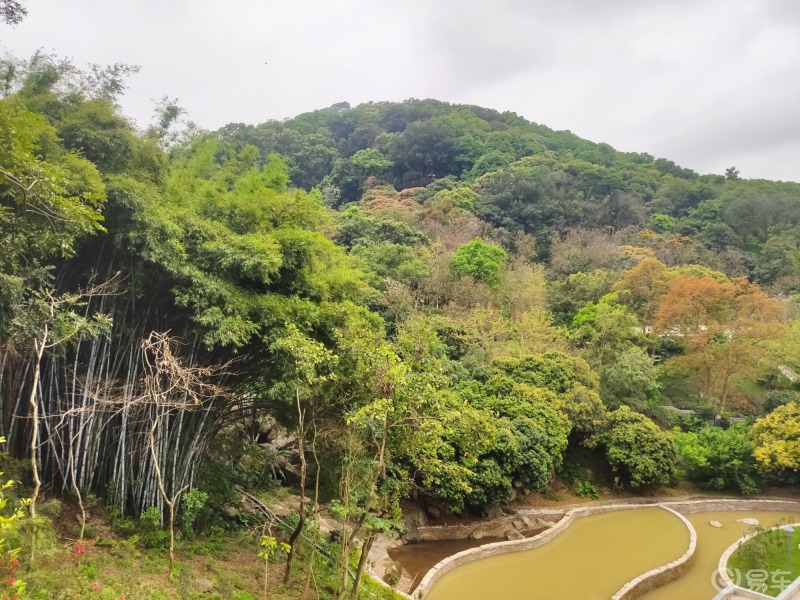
417,559
590,561
711,543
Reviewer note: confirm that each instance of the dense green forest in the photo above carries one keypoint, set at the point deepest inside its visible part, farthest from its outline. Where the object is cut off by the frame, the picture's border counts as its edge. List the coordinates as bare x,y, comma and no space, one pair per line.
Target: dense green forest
431,301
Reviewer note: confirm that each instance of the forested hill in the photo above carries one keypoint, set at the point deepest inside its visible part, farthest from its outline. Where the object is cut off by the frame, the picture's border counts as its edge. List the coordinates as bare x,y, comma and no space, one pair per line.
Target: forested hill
426,300
522,176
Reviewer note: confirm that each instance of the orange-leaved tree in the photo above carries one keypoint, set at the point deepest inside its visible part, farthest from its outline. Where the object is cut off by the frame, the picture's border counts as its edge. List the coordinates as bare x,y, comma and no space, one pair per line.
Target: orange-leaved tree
641,289
725,325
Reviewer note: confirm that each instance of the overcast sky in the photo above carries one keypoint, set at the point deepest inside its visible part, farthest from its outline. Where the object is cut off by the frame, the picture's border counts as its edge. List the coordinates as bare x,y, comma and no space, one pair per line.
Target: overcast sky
706,83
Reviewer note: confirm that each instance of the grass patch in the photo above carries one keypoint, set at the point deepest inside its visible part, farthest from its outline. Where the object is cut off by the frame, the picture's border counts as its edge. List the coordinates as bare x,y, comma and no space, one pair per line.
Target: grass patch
119,564
762,563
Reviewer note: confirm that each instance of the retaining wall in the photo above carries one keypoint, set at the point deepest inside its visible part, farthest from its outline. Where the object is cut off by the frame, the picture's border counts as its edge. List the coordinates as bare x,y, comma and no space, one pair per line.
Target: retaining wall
492,527
657,577
689,507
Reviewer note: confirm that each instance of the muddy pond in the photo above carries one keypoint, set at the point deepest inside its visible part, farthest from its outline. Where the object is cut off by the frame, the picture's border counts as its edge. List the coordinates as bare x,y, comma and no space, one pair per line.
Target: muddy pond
591,560
711,543
597,555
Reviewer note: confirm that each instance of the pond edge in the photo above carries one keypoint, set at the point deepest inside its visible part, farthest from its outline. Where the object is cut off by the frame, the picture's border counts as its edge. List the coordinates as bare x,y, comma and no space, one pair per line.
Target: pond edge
643,583
732,589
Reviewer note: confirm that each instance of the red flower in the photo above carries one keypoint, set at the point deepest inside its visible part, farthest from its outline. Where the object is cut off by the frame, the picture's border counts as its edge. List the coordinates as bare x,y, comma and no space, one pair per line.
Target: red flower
96,586
12,581
78,548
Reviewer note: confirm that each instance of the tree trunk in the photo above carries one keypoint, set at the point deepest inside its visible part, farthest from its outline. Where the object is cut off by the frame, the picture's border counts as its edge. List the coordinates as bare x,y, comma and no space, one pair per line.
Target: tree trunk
362,563
170,502
34,404
303,467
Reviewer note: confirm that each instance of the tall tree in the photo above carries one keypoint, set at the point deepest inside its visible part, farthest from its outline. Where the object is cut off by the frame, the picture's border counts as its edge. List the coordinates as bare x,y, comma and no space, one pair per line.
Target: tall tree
726,328
641,288
12,12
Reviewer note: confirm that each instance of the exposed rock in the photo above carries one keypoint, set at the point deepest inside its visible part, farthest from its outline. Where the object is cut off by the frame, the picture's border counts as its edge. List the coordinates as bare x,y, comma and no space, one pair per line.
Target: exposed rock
433,511
411,535
393,572
543,523
513,534
202,585
413,519
522,522
286,506
476,534
230,511
327,524
494,513
479,533
748,521
716,524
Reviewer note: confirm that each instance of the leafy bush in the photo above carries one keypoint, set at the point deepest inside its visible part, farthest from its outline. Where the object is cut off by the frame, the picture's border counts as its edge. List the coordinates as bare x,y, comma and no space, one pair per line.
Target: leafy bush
152,533
193,502
719,459
638,450
586,489
10,520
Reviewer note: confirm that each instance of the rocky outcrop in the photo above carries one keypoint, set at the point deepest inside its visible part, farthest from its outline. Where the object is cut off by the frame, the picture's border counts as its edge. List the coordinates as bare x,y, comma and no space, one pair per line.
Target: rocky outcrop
413,519
513,534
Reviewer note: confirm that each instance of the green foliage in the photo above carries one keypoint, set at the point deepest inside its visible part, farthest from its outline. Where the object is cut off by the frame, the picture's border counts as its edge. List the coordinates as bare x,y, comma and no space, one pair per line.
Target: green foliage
638,450
49,198
480,260
152,532
776,438
554,371
767,551
11,517
534,400
661,223
605,329
719,459
270,548
488,368
566,298
586,489
192,502
632,379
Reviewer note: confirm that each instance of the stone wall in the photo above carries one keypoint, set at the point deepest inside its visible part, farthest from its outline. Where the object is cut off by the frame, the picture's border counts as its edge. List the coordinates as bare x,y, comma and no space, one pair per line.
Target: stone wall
657,577
489,528
689,507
